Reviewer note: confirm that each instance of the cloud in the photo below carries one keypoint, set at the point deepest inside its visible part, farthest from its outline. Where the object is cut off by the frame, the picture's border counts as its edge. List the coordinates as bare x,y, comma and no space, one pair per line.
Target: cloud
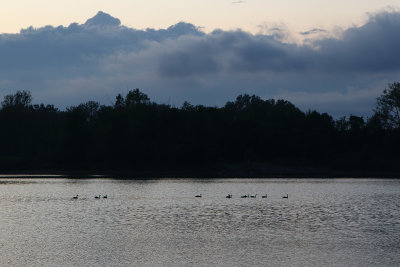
103,19
100,58
314,31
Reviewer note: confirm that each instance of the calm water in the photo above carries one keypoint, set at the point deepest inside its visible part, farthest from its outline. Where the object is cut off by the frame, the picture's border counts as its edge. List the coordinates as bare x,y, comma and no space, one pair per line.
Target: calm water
342,222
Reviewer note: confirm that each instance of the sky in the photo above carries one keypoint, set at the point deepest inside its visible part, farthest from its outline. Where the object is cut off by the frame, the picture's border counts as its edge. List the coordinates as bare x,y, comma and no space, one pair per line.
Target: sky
332,56
248,15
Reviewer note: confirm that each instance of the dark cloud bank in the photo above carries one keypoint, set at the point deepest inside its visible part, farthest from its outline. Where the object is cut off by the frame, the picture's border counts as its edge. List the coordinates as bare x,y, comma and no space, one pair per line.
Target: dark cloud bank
96,60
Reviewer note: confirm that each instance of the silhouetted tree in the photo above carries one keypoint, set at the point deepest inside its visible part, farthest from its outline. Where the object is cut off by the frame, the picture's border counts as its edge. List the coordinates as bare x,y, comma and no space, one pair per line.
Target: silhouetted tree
135,97
20,99
87,110
136,133
186,106
119,101
342,124
356,123
388,106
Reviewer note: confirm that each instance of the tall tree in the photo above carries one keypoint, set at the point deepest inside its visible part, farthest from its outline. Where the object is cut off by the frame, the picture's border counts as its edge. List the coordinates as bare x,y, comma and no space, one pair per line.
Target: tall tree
20,99
388,106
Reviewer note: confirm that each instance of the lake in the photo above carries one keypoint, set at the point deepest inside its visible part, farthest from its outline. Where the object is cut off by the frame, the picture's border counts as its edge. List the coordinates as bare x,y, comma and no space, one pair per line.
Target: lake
324,222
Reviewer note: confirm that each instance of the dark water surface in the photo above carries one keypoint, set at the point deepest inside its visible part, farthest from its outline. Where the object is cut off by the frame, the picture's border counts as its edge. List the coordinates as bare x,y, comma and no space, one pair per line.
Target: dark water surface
324,222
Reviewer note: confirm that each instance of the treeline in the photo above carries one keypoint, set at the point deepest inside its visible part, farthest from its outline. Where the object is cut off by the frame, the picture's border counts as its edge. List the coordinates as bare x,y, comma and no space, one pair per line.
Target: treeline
137,134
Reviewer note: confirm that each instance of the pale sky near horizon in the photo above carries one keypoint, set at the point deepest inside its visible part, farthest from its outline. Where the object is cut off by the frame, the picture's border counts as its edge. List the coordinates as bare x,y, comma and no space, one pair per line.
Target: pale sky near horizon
248,15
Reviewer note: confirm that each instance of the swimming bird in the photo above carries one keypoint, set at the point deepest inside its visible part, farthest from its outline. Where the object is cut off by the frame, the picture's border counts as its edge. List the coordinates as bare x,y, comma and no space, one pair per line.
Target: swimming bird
197,195
229,196
105,196
75,197
97,196
254,196
245,196
287,196
264,196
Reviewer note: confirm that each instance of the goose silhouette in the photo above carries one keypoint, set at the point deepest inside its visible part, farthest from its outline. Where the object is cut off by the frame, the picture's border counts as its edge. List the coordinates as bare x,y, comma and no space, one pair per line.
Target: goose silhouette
254,196
75,197
245,196
105,196
264,196
97,197
287,196
229,196
197,195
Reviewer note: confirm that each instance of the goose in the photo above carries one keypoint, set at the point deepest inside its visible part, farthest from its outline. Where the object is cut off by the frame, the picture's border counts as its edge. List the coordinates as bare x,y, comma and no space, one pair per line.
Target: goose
245,196
229,196
264,196
287,196
75,197
105,196
97,196
254,196
197,195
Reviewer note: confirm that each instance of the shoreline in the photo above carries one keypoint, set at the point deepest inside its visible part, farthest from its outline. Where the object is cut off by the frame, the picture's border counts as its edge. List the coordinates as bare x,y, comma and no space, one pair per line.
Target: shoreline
160,175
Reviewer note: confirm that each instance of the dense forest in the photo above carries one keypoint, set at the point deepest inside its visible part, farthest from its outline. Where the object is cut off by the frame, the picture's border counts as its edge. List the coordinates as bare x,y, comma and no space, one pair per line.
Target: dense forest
247,137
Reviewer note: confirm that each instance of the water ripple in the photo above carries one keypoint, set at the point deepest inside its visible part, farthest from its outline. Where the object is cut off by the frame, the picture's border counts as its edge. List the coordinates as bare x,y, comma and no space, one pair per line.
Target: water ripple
158,223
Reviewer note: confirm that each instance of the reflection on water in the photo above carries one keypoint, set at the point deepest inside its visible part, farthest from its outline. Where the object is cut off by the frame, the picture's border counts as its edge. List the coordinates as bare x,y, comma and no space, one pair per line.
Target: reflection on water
160,223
